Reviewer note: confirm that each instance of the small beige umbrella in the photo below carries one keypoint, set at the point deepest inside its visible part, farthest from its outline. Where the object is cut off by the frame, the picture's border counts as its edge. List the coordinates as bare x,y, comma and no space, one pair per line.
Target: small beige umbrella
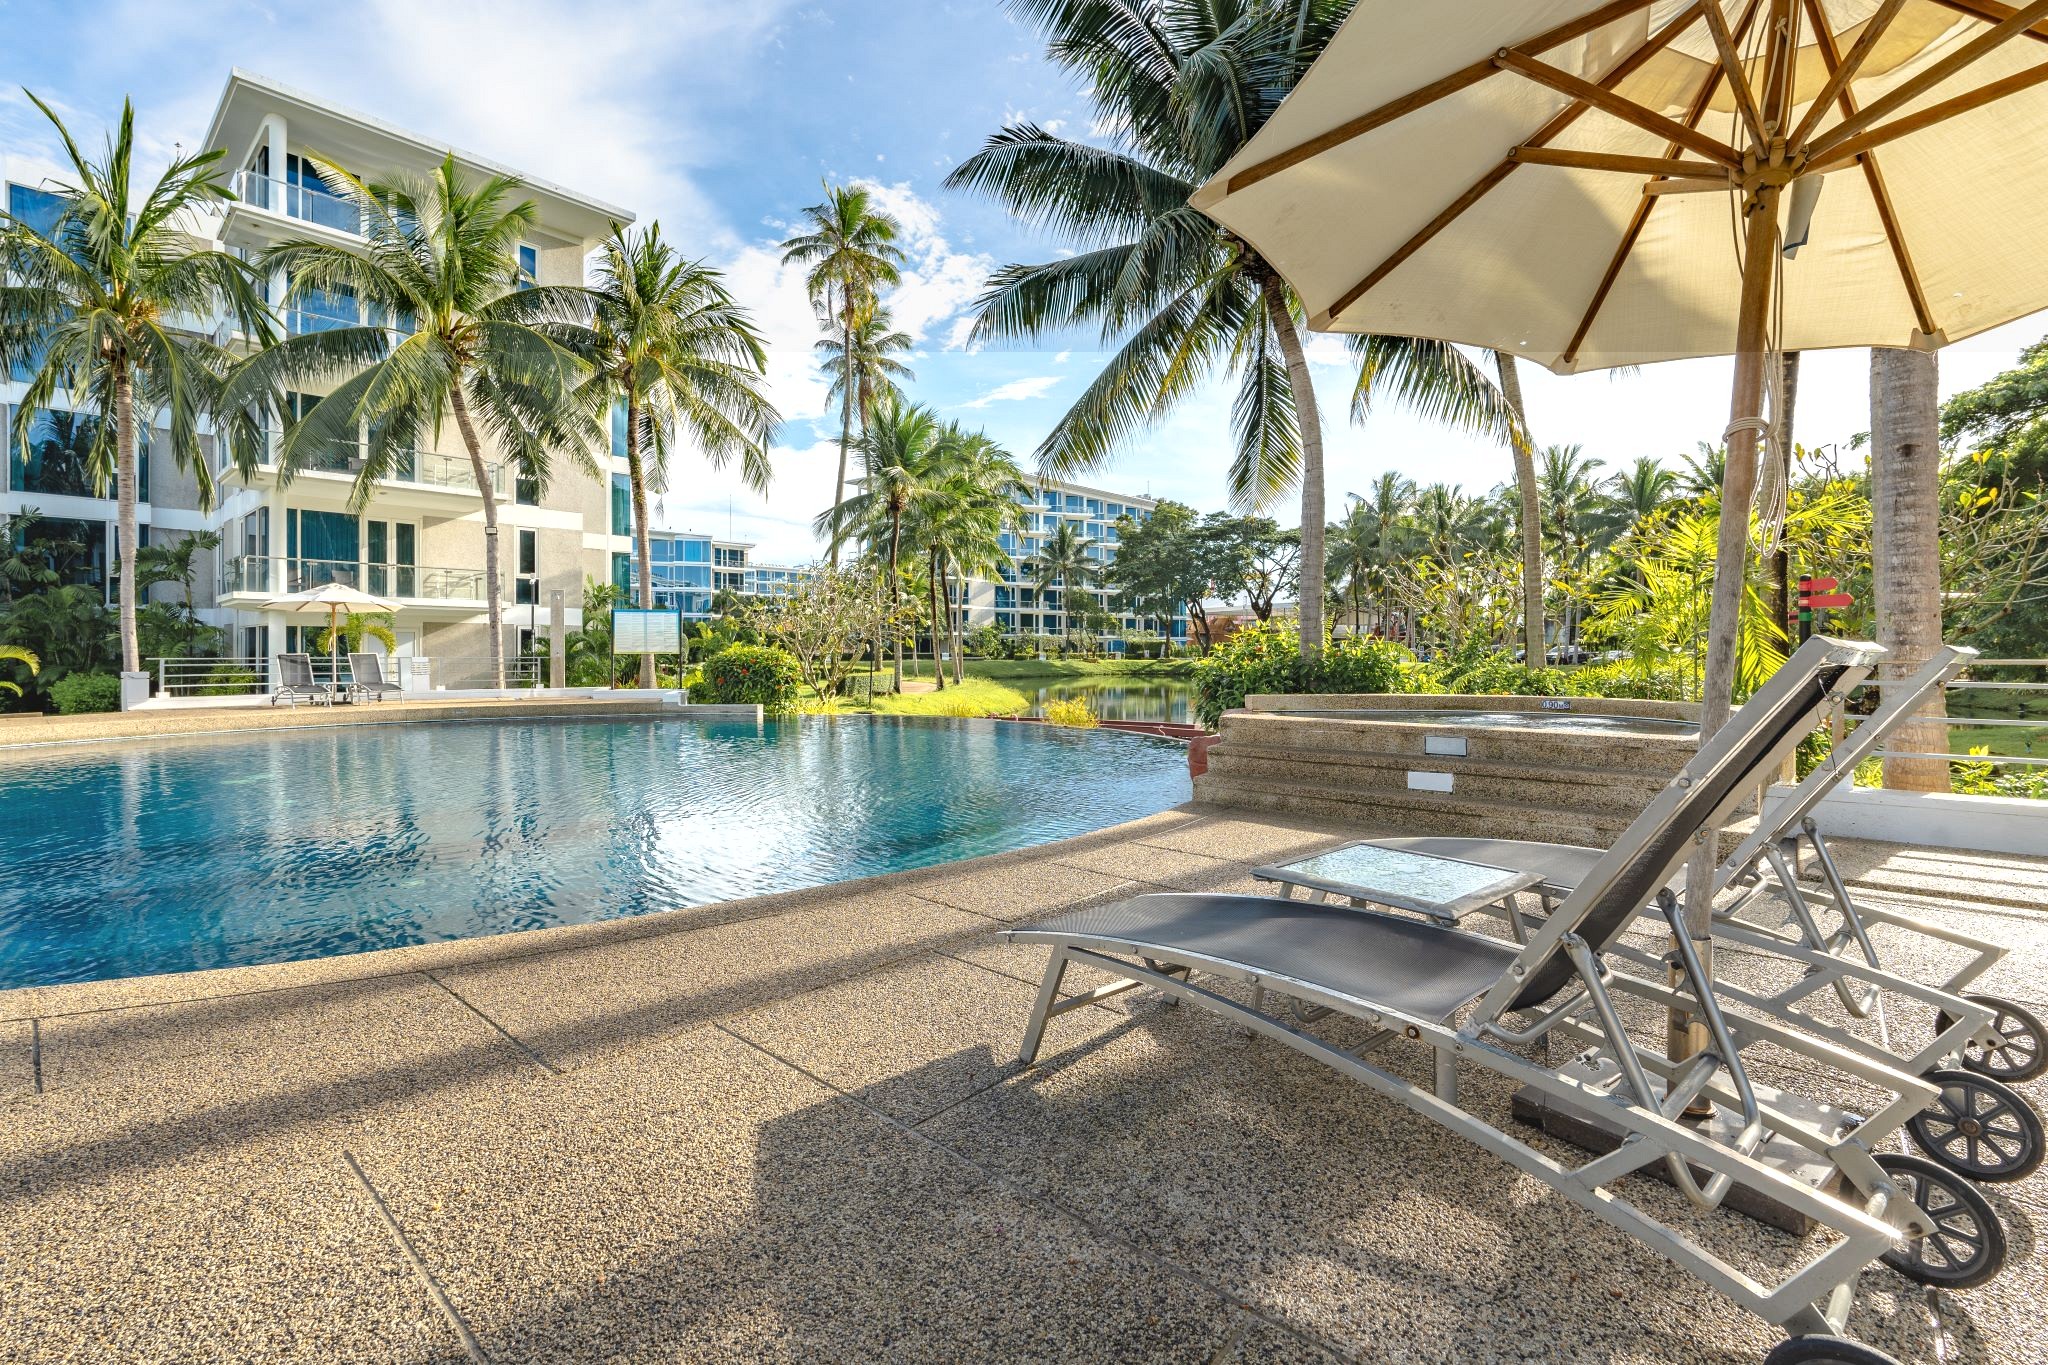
334,599
1592,184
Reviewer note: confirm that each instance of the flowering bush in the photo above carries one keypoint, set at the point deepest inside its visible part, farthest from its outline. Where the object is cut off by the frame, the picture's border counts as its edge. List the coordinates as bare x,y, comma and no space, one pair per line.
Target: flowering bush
757,675
1267,658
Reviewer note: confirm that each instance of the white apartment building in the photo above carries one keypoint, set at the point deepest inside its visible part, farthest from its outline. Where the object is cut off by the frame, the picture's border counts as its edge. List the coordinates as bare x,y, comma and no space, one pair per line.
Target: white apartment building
1012,602
420,540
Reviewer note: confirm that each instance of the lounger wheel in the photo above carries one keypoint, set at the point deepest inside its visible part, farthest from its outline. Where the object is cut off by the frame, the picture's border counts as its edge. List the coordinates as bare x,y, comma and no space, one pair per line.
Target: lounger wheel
1818,1350
1967,1246
2022,1055
1979,1128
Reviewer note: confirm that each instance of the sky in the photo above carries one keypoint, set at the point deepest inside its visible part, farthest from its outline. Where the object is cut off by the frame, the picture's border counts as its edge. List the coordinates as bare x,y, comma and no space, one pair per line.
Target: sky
723,120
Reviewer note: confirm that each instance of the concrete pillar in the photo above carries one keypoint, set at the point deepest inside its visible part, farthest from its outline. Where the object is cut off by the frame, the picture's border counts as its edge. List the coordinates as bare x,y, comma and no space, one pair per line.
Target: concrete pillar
558,641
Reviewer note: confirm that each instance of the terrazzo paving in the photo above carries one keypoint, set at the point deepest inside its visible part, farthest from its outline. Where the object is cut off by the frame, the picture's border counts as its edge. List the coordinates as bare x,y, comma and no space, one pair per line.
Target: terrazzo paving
795,1129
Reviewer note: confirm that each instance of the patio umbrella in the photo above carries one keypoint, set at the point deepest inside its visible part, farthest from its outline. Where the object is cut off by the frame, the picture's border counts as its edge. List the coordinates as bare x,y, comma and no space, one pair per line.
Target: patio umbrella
1592,184
334,599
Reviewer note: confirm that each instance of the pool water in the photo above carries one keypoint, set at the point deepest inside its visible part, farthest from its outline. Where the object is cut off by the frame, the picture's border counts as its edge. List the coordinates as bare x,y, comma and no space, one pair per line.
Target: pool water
180,854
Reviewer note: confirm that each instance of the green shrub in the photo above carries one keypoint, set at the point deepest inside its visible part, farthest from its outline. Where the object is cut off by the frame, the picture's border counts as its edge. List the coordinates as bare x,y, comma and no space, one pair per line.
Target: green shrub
1267,658
757,675
1480,672
1624,679
78,693
1072,712
226,680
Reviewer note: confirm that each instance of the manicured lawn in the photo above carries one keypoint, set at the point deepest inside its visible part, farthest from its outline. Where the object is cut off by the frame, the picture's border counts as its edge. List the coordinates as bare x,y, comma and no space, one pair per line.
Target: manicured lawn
1074,670
975,697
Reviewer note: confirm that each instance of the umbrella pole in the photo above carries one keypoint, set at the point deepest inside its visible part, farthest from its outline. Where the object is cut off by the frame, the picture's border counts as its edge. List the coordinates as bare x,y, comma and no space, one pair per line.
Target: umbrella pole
1685,1035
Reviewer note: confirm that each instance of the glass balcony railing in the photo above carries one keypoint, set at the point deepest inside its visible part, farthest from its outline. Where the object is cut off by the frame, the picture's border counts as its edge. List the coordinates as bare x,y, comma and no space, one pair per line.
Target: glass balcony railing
426,468
308,203
277,575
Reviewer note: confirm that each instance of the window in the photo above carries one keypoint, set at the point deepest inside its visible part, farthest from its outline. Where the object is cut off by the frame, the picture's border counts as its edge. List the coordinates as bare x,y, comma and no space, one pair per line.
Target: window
322,310
694,551
663,549
525,488
618,431
325,548
75,550
529,266
307,196
622,575
622,506
526,589
39,209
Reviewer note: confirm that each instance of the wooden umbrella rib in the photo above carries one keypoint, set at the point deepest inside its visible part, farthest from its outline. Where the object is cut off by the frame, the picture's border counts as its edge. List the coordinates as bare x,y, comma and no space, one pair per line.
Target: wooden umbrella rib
1841,156
1738,78
1608,161
1874,177
1641,216
1991,11
1894,100
1620,106
1479,189
1845,71
1429,94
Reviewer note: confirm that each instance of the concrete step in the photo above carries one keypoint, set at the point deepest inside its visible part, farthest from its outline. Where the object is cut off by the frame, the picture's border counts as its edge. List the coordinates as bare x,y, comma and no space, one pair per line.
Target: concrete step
1661,755
1413,812
1610,791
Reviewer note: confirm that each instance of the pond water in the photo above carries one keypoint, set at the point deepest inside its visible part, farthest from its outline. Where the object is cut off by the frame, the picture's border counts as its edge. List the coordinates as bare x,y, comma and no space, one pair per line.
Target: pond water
1154,699
177,854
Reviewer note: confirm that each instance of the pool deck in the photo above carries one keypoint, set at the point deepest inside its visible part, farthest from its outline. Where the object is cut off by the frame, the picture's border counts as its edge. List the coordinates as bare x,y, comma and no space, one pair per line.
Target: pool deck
793,1128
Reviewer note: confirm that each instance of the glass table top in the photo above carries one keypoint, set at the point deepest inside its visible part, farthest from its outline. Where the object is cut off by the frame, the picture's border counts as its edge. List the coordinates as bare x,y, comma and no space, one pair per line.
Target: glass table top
1416,878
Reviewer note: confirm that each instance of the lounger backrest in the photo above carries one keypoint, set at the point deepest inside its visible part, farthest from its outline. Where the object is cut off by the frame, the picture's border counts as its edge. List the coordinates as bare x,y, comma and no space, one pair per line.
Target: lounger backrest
295,670
1760,734
1900,701
367,669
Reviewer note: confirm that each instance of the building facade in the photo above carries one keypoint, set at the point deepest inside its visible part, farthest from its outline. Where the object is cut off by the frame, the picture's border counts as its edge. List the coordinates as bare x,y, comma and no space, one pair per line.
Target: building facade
1013,602
419,541
691,571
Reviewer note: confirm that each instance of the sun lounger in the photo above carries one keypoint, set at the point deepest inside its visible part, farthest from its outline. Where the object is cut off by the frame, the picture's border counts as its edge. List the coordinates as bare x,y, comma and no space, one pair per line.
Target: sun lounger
1407,979
295,682
366,678
1978,1125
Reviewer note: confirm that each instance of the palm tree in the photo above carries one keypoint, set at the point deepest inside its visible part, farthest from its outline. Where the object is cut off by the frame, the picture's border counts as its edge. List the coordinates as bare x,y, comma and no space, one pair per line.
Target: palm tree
1352,551
1633,495
902,464
874,368
1186,84
452,333
1905,518
671,345
962,524
852,254
1704,472
175,564
101,307
1441,383
1063,558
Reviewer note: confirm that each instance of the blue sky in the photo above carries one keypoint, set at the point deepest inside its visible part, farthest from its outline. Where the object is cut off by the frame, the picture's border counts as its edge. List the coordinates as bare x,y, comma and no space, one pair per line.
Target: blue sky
721,118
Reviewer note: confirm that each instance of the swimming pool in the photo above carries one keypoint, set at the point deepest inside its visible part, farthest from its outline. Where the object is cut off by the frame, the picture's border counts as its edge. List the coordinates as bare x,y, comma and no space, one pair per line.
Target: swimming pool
174,855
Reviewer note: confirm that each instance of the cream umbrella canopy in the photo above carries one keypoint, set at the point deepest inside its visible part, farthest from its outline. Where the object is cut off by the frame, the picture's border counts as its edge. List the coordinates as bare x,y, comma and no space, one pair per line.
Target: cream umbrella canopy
1591,184
334,599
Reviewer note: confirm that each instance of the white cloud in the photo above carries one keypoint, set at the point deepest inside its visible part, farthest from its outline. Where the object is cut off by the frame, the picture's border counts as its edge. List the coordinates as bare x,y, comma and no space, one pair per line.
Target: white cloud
939,282
1062,357
1017,390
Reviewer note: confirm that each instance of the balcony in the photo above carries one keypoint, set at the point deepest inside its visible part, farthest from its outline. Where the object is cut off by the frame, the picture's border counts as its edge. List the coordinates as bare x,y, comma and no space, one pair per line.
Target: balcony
268,576
423,471
311,204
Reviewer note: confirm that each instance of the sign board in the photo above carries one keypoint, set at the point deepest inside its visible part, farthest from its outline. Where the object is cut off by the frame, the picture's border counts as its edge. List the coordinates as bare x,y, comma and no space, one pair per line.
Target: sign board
1818,584
1830,601
656,631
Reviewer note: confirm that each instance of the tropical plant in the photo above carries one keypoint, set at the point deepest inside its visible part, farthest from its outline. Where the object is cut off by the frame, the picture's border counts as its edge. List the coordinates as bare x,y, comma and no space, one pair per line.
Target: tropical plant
1183,85
1064,560
864,361
103,305
1635,495
827,619
16,654
69,629
1071,713
752,675
960,526
174,563
77,694
24,561
1267,658
451,334
671,345
346,635
850,253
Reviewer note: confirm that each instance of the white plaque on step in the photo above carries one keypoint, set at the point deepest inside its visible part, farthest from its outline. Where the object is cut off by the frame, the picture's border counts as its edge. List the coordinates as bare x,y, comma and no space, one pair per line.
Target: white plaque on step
1429,782
1444,746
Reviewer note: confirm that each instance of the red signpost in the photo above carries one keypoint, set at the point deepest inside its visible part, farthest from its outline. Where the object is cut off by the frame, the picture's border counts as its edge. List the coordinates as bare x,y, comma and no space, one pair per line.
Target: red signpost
1819,594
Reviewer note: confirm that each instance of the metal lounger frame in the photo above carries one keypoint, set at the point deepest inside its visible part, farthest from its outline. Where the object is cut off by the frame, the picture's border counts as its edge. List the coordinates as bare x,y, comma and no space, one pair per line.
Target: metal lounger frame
375,691
293,685
1649,1120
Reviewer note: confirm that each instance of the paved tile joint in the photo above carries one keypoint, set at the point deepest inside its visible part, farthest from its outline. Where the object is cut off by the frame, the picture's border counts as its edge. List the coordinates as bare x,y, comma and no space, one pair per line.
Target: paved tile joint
795,1128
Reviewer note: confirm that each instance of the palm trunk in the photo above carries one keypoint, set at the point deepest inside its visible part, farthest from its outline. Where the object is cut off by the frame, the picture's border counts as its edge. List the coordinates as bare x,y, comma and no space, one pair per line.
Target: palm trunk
643,539
463,424
956,624
124,515
1310,592
1532,514
938,619
1905,506
895,596
1781,560
845,421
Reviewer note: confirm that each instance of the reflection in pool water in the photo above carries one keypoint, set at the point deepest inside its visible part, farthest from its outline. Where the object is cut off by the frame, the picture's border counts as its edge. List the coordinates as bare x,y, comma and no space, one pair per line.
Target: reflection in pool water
178,854
1150,699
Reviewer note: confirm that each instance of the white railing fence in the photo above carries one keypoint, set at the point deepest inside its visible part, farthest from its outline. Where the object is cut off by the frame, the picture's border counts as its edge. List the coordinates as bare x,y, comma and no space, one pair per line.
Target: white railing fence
245,677
1983,705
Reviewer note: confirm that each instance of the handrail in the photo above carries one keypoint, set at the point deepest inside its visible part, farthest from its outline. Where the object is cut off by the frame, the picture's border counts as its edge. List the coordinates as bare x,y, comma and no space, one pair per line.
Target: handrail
307,203
1947,721
427,468
278,575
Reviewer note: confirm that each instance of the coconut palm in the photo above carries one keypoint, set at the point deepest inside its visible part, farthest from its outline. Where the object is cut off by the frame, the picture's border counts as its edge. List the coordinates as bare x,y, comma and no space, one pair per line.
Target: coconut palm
1184,84
961,526
873,368
903,460
1633,495
1905,504
1063,559
851,254
102,307
450,334
1441,383
674,349
1351,551
176,563
1704,472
